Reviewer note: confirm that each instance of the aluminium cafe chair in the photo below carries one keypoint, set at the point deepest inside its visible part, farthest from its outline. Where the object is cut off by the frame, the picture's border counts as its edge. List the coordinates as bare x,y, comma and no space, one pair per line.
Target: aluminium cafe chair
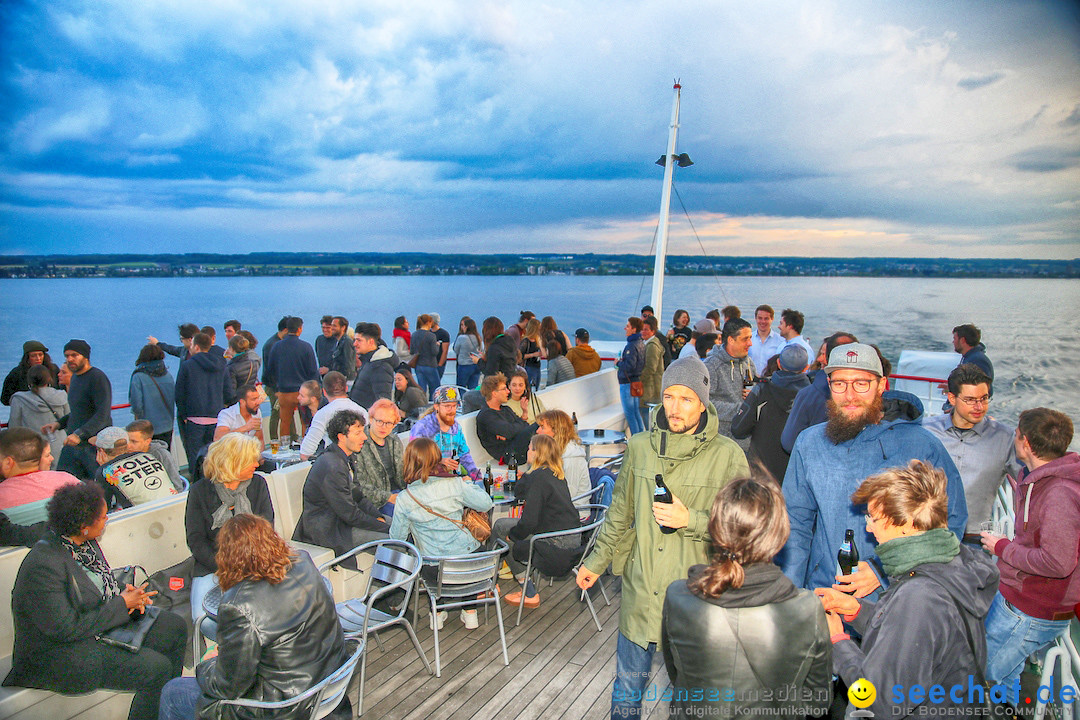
464,581
396,567
325,695
588,533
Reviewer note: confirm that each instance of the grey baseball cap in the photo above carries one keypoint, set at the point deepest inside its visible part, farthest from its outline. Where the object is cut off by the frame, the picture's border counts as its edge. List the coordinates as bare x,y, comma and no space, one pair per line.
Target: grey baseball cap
854,356
109,437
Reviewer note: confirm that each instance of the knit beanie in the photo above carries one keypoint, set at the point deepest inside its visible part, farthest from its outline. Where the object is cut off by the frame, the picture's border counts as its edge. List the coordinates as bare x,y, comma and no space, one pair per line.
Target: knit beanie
80,346
690,372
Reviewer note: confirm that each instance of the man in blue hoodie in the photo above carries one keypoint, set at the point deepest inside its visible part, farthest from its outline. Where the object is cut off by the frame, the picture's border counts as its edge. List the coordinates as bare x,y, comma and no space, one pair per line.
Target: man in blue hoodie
863,435
200,395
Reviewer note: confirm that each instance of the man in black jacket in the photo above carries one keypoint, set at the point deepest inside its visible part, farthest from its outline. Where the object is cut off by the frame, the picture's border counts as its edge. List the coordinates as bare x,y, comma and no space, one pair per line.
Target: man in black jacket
336,513
292,363
502,433
375,378
90,399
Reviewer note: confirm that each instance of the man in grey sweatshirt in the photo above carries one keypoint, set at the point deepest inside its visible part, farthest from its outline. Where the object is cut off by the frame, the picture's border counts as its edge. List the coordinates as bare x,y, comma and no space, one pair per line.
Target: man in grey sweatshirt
729,367
982,448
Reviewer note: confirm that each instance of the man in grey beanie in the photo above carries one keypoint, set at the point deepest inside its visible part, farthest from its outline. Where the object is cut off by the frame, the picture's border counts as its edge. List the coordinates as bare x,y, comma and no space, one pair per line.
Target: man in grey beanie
684,447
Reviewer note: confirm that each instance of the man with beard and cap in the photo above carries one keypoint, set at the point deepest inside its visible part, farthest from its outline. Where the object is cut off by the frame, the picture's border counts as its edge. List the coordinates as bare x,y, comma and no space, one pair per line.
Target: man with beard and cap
809,406
863,436
441,425
34,353
762,415
90,399
683,446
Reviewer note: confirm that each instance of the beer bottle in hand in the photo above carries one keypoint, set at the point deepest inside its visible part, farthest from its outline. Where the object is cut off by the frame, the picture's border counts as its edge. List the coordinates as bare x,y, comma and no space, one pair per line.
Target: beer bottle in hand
848,555
661,494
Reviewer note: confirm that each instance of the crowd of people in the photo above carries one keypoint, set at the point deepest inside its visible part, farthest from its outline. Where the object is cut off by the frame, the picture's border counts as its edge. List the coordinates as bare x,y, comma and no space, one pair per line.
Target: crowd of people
750,461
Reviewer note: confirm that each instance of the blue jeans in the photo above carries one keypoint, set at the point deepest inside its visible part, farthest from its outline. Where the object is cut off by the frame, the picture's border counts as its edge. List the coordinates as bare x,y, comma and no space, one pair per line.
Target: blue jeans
178,699
468,376
633,665
631,409
428,379
534,376
1011,636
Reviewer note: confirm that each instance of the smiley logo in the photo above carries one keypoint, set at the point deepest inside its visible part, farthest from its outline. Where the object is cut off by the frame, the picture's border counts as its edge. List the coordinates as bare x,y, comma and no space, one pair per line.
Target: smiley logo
862,693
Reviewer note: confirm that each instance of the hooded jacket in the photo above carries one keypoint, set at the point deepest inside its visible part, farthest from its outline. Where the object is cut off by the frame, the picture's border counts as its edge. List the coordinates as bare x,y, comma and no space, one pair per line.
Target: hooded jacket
584,359
375,378
33,409
632,359
765,643
977,357
1039,571
152,394
652,372
726,376
201,384
914,635
762,416
807,409
822,476
434,535
694,466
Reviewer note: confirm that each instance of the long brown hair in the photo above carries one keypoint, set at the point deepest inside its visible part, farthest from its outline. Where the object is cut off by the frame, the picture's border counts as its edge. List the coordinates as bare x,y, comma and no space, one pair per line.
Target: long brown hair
562,427
420,458
748,524
249,549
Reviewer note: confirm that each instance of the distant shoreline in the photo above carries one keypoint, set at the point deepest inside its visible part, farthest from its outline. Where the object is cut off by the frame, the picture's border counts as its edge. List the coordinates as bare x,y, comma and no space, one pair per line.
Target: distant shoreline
269,264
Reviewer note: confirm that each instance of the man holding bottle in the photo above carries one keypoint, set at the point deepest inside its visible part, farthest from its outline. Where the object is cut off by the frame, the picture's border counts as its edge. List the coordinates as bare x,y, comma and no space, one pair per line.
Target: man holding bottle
685,448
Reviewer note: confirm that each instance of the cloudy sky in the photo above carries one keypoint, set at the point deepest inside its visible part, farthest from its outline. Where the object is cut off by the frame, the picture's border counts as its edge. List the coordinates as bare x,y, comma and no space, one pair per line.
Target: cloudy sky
916,128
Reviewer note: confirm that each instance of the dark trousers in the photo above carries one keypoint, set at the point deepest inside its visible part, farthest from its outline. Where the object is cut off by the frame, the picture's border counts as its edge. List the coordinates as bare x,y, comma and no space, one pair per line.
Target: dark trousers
160,659
196,437
79,460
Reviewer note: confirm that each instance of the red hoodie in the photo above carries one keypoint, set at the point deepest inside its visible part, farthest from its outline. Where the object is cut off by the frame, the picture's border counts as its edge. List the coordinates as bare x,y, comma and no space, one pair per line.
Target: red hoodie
1040,572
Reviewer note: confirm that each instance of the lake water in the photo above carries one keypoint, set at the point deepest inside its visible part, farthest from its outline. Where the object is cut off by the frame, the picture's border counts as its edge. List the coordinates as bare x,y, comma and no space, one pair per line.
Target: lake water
1027,324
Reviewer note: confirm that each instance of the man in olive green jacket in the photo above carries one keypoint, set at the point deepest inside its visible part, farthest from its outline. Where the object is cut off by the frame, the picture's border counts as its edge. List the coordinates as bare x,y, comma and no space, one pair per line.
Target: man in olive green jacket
695,461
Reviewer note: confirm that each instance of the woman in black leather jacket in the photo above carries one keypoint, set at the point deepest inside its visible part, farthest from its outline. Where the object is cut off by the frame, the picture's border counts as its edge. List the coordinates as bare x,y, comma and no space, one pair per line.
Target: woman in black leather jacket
737,633
278,631
65,596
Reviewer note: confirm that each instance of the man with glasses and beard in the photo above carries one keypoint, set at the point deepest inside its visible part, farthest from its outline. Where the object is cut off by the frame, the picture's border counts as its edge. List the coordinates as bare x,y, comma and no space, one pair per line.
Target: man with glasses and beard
863,435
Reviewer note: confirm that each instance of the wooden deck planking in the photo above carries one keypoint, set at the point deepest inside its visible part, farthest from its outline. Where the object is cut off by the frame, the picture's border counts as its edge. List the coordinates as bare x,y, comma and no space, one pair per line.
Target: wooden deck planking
559,664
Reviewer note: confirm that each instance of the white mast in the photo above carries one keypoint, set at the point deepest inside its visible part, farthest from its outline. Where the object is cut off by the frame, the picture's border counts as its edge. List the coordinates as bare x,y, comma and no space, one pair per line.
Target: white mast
665,204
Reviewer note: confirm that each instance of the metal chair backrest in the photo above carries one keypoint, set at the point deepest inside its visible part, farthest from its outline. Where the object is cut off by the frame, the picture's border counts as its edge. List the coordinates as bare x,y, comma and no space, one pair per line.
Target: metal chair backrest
597,512
328,692
467,570
397,564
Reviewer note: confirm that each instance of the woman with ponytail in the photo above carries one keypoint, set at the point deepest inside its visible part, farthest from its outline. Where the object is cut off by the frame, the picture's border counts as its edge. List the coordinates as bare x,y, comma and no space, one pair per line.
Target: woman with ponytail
737,630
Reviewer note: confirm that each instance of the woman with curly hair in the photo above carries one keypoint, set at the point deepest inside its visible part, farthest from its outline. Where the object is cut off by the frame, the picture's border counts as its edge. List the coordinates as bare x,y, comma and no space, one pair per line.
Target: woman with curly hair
279,632
739,623
230,487
66,595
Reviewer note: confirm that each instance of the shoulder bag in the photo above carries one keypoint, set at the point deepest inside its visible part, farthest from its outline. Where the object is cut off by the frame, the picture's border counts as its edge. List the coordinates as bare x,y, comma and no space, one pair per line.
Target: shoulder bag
472,521
131,634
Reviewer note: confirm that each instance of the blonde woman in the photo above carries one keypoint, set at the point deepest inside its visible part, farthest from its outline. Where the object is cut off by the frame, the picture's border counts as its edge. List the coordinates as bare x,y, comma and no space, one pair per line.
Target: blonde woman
548,508
230,487
558,425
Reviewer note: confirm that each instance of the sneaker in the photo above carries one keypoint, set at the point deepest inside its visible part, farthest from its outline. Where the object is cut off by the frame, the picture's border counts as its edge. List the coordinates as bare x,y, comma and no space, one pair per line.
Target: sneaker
442,619
470,619
531,601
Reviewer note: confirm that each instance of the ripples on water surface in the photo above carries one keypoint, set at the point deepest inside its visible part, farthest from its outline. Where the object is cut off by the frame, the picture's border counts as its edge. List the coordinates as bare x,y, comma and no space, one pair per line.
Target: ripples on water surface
1026,324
